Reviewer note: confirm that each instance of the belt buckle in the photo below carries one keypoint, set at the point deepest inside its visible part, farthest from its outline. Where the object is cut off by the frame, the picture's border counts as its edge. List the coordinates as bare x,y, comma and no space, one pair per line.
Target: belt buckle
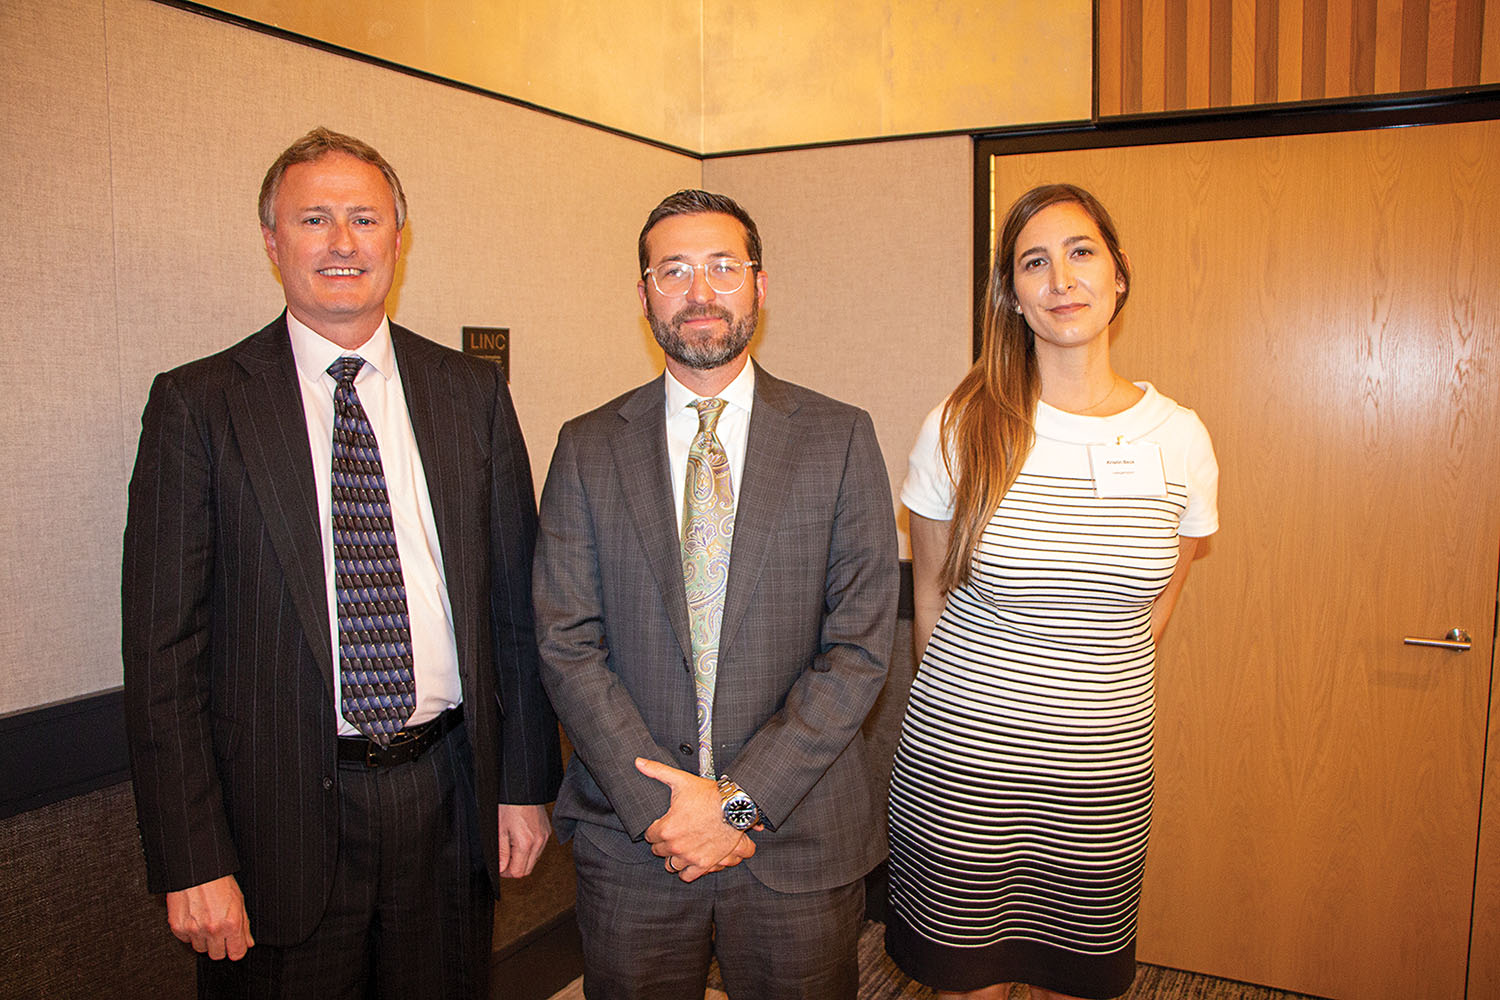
378,756
373,752
405,744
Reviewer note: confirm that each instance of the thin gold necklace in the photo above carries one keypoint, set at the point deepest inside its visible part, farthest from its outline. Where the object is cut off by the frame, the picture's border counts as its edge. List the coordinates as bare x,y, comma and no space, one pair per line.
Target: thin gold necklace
1114,383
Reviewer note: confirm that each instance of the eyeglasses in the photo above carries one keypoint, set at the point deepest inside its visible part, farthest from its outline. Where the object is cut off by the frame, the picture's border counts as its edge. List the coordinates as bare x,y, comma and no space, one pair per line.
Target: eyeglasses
724,275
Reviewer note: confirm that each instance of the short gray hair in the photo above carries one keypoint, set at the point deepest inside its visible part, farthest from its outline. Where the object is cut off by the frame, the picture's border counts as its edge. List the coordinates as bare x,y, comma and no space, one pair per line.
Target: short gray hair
314,146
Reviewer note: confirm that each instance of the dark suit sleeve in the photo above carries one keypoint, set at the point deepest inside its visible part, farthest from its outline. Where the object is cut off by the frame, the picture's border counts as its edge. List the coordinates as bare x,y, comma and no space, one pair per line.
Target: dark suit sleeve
530,756
828,702
604,723
166,595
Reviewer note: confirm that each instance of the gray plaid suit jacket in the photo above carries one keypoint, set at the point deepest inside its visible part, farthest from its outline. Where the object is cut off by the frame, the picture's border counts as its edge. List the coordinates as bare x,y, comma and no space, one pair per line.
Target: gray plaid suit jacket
806,638
228,658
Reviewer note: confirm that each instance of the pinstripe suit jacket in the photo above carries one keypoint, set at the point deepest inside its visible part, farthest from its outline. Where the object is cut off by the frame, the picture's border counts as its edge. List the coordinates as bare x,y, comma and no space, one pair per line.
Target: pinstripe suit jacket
229,671
806,636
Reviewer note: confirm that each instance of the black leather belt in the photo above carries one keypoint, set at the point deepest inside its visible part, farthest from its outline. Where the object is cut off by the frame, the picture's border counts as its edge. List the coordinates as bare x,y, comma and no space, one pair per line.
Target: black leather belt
405,746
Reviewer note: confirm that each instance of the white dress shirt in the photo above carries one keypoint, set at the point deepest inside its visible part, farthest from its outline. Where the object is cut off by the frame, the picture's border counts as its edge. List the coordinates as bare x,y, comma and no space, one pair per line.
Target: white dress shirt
733,430
434,650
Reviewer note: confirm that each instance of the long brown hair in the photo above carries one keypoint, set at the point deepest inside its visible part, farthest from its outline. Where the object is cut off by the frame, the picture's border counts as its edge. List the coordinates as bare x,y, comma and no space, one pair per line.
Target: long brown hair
988,425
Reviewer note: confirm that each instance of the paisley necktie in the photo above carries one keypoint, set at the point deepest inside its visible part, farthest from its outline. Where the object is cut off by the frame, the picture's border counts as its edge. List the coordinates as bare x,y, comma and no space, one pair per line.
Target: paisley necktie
707,531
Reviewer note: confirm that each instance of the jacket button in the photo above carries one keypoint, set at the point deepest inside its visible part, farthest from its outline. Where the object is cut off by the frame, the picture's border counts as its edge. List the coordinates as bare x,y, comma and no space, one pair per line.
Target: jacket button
327,784
685,750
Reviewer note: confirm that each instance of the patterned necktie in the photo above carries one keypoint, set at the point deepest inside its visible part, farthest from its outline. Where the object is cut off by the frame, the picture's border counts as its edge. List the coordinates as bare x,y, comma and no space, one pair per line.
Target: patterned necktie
707,532
377,687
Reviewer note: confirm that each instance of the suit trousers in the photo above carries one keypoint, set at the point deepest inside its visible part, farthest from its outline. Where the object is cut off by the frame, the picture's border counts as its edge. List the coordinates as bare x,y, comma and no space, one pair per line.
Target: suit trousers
647,935
410,914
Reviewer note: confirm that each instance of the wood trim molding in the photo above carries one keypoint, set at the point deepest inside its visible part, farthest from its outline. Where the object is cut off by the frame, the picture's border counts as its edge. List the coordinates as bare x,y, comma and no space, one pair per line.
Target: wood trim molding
1171,55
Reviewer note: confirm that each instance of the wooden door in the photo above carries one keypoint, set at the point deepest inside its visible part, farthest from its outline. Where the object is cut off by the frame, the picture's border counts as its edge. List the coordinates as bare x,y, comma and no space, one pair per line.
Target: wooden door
1330,305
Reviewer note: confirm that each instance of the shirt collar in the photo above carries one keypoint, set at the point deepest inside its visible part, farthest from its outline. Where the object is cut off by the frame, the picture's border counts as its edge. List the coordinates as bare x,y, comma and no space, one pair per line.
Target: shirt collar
740,392
314,353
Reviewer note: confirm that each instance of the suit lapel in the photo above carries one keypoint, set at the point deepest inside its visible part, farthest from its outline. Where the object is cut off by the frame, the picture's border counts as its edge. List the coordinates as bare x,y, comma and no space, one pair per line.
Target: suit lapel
426,383
265,409
431,408
640,454
769,455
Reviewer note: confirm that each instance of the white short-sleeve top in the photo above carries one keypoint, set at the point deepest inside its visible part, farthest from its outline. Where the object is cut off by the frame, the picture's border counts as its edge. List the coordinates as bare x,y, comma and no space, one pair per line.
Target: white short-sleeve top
1062,450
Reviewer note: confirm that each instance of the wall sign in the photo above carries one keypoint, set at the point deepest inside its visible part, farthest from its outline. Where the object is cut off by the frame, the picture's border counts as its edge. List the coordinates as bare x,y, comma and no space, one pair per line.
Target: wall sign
491,343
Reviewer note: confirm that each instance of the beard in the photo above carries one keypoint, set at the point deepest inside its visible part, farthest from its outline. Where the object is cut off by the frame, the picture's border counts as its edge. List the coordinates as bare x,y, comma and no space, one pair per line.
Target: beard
712,353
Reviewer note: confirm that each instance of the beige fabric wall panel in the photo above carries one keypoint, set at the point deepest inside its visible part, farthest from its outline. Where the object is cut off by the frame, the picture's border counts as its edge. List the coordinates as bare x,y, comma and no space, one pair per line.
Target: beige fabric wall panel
62,456
867,266
509,209
632,66
140,139
783,72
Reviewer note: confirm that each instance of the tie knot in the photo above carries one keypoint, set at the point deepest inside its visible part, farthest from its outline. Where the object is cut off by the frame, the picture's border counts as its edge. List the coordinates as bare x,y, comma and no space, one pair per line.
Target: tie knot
346,367
709,411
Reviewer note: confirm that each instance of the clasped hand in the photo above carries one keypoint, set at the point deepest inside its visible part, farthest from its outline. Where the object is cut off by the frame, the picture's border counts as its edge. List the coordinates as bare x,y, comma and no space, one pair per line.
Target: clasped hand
691,836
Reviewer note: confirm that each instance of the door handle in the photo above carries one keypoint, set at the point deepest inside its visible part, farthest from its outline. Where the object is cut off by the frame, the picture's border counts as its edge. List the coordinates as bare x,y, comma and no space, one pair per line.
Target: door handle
1456,639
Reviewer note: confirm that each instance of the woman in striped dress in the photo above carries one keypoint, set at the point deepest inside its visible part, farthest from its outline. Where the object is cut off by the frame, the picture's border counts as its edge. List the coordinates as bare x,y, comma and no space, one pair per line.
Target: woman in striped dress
1055,509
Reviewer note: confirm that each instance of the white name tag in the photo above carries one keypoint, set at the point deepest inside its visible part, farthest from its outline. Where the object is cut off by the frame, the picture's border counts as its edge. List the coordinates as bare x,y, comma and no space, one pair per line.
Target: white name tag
1127,470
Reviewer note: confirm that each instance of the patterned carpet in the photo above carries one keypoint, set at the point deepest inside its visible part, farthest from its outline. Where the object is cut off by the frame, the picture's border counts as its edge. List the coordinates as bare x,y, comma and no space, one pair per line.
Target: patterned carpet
879,979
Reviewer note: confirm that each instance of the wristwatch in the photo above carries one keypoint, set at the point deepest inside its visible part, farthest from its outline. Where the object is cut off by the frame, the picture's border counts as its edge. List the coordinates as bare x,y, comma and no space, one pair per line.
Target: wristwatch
740,810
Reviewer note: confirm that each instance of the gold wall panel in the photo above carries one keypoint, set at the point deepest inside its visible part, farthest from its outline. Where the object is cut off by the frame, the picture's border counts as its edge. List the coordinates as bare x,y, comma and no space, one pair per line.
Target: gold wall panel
715,76
632,66
783,72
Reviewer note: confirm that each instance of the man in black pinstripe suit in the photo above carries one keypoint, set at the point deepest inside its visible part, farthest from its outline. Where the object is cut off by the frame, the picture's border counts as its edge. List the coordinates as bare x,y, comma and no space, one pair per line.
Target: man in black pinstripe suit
299,856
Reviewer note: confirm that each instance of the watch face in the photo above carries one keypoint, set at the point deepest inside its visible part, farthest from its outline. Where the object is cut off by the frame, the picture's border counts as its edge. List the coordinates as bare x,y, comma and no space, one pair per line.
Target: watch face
740,811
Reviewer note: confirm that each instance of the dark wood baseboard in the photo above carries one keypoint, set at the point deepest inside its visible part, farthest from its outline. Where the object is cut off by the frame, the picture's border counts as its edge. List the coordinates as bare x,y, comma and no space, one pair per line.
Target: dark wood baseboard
61,750
540,964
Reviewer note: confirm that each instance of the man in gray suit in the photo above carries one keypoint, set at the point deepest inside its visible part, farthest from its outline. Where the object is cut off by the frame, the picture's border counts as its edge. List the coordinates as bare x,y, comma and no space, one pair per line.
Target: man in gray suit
338,735
715,591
